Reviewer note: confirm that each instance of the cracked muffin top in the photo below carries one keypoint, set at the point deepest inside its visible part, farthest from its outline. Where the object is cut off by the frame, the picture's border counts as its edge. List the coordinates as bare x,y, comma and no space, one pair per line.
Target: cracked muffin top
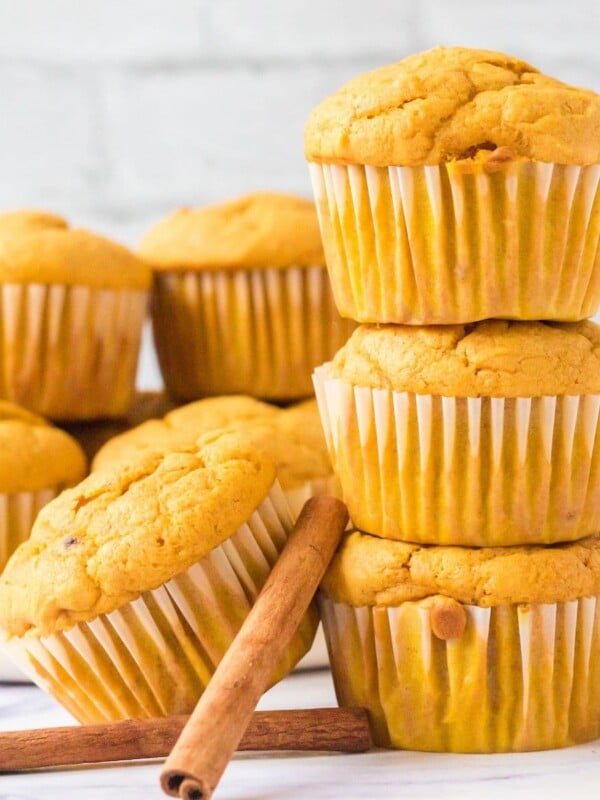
183,426
259,230
454,103
369,571
292,437
494,358
35,455
40,247
125,531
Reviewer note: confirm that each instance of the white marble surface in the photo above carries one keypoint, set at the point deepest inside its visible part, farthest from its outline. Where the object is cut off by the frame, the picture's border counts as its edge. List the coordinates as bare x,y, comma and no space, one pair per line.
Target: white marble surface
380,775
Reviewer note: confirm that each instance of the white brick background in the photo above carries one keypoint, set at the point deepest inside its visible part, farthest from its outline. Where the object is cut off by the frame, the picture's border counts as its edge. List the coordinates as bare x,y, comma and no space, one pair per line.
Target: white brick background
115,111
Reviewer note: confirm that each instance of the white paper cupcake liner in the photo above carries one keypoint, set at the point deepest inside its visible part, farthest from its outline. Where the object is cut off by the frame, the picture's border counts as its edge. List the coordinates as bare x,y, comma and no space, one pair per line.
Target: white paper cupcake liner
297,496
70,352
464,471
253,331
18,511
450,244
521,677
155,655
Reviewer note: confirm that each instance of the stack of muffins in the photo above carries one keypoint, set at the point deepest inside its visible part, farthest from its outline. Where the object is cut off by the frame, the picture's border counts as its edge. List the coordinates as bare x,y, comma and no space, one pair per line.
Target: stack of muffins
458,198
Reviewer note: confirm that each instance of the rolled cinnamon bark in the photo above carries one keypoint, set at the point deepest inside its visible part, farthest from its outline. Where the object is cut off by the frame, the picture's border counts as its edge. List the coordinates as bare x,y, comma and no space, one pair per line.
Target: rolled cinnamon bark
218,722
340,729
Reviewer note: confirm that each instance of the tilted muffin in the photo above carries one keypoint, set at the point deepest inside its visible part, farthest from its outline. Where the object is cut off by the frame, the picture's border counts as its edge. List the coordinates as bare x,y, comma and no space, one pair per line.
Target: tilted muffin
485,434
242,301
292,437
72,304
472,650
459,185
37,461
134,583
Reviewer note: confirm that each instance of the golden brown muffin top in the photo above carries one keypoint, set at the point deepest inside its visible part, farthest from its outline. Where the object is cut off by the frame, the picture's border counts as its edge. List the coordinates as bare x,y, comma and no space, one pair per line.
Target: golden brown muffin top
209,413
34,455
124,531
182,426
447,104
293,437
37,247
494,358
295,443
258,230
24,220
369,571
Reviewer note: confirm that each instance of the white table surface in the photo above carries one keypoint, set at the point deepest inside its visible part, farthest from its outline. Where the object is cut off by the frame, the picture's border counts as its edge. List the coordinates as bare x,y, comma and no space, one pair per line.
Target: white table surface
381,775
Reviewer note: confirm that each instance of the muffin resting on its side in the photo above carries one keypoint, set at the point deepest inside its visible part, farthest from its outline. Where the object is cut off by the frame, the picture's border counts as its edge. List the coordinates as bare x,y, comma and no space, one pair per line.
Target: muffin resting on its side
134,583
467,650
484,434
71,311
459,185
37,461
242,301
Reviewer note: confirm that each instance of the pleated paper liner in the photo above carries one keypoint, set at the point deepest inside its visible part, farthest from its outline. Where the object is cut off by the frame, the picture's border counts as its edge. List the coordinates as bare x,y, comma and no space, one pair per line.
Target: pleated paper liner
464,471
255,331
317,657
18,511
154,656
70,352
456,243
521,677
297,496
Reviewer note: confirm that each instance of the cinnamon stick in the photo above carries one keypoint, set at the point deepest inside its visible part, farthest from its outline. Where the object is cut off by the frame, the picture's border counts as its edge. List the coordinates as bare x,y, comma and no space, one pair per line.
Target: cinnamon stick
223,712
341,729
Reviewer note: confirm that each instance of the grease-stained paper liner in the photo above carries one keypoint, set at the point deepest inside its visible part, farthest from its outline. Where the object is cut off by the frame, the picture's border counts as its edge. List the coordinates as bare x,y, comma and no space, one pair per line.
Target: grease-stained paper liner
446,244
521,677
254,331
18,511
70,352
154,656
464,471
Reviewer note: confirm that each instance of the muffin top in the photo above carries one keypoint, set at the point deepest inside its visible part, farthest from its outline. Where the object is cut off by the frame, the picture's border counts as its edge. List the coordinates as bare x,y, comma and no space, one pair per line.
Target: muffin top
295,443
451,103
215,412
124,531
35,455
41,248
293,438
258,230
26,220
182,427
494,358
368,571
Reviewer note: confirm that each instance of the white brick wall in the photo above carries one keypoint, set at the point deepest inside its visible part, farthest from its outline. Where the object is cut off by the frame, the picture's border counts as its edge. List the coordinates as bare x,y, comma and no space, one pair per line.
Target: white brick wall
115,111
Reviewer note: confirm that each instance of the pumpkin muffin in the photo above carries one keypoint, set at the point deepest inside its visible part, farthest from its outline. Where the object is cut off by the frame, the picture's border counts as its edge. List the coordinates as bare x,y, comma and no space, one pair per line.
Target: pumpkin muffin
242,301
183,425
469,650
37,461
134,583
292,437
484,434
459,185
72,304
